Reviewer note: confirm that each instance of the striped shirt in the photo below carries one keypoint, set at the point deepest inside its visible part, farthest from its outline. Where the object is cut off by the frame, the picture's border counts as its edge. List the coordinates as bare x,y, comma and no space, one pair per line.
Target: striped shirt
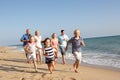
50,52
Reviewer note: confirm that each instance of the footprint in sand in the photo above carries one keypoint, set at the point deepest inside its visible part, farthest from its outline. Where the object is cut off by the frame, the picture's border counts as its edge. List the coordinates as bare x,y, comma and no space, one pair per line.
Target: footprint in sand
70,78
43,75
73,79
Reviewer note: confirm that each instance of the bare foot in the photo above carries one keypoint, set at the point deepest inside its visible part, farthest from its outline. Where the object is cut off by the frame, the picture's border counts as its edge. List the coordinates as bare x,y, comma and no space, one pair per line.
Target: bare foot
64,63
36,71
50,72
76,71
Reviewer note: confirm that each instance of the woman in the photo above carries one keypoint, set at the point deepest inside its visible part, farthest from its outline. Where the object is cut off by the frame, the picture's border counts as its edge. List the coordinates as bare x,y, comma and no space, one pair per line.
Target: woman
38,40
54,44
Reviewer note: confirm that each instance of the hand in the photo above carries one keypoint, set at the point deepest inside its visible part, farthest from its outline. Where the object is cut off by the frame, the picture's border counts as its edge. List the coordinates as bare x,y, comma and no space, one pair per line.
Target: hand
27,40
46,54
30,52
66,49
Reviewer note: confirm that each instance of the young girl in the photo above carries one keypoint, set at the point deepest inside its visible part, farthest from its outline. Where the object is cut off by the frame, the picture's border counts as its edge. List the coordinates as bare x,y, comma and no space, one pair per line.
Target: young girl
31,52
38,40
49,54
54,44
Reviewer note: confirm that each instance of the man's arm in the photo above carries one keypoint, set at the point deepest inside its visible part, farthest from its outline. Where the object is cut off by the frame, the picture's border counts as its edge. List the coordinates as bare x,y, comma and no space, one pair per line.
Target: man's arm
82,43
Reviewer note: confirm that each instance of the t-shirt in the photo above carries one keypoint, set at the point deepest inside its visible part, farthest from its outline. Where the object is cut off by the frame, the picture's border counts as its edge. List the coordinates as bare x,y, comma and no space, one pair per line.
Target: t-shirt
63,40
32,47
25,37
50,52
38,41
76,44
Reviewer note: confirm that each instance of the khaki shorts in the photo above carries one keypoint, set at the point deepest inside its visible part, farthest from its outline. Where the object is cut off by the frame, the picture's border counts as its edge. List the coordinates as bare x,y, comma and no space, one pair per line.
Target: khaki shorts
25,51
78,56
38,51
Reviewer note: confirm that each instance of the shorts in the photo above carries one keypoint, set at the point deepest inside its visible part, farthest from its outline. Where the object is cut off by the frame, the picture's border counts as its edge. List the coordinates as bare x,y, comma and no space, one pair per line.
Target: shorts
31,56
25,51
38,51
49,60
78,56
62,50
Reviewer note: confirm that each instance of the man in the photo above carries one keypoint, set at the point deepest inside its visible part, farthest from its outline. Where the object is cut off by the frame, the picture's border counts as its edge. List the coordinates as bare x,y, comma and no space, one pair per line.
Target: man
25,39
63,38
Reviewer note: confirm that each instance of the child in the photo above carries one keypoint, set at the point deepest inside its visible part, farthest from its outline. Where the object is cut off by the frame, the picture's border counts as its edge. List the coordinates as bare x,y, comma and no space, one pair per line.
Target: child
77,42
31,52
49,54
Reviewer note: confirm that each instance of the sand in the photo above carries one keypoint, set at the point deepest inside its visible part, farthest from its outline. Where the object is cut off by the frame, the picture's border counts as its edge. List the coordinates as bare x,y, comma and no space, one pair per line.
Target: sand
13,66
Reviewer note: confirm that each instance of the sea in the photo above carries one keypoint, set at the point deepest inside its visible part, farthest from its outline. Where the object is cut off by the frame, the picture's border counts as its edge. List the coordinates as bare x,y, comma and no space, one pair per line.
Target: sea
100,51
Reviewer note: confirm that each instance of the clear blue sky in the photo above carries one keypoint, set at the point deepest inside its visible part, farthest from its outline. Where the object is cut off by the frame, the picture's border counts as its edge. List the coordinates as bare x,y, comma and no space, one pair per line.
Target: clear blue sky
93,17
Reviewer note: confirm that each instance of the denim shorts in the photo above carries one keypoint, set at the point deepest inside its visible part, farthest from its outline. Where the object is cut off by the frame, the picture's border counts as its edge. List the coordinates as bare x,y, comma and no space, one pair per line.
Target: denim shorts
62,50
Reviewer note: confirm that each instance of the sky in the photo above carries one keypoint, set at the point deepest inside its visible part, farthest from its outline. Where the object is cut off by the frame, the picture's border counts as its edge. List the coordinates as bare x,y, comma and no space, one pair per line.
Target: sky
94,18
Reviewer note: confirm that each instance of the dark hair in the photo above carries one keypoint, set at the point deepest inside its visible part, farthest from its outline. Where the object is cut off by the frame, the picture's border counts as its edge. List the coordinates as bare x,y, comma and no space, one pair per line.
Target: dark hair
62,30
46,39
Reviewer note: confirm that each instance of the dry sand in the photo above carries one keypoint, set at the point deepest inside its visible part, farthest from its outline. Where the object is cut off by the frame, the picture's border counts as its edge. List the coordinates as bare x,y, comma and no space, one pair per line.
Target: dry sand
13,66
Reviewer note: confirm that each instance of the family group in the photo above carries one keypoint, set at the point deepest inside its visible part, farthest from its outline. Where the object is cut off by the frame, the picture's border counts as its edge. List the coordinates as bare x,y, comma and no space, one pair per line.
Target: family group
35,48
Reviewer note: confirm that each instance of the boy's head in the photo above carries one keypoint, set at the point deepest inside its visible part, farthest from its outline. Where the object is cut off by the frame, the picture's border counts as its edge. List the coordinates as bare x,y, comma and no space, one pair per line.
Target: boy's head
77,32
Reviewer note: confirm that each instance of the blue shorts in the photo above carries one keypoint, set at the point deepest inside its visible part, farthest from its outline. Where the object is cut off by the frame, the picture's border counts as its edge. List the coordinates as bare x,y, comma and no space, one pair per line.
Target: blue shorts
62,50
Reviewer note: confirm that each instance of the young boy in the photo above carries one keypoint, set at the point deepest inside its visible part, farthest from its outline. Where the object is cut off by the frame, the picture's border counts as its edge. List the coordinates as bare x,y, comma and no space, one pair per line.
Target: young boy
77,42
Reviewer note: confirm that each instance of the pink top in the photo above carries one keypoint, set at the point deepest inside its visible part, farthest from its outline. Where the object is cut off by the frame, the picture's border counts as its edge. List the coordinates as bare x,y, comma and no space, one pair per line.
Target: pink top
54,43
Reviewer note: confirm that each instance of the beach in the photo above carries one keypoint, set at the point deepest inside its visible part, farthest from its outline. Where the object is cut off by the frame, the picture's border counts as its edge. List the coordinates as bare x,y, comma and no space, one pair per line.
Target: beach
13,66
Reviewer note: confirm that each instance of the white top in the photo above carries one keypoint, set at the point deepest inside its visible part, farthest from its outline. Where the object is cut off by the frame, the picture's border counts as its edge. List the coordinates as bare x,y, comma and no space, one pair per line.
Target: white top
38,40
32,47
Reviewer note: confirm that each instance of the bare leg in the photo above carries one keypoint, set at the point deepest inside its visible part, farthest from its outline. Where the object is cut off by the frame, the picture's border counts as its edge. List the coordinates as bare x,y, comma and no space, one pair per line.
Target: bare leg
63,59
37,57
35,65
40,57
76,65
53,64
56,56
50,67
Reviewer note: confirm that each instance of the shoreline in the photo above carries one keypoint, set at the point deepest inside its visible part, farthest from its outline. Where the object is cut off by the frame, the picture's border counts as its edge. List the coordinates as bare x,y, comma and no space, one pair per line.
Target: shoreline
70,61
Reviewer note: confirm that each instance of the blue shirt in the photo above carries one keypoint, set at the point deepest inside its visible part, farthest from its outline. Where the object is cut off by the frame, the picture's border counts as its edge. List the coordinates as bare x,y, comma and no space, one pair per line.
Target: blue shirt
76,44
25,37
63,40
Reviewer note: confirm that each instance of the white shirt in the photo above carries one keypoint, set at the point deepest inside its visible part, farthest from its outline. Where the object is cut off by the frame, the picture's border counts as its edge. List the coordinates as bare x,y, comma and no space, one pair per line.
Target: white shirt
38,40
